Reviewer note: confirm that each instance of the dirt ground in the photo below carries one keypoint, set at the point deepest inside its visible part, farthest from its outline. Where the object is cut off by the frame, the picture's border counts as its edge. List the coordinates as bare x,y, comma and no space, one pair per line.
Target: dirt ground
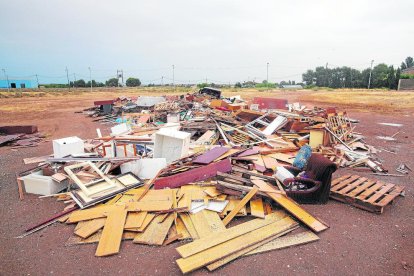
357,243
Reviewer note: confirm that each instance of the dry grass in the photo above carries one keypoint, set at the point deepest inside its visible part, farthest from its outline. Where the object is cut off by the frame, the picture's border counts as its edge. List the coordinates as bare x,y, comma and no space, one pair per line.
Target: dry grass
380,101
368,100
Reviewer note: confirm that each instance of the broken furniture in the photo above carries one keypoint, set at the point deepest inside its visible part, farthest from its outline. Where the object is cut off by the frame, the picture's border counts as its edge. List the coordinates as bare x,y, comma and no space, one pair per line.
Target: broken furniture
315,187
171,144
105,106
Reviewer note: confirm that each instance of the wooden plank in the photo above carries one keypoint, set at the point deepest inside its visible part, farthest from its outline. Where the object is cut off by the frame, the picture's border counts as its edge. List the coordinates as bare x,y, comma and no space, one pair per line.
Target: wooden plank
181,229
227,234
150,206
286,241
148,218
204,225
88,214
135,219
189,225
270,162
257,208
391,196
344,183
222,250
361,188
242,252
156,232
241,204
90,227
110,241
293,208
380,193
211,155
76,240
351,186
370,190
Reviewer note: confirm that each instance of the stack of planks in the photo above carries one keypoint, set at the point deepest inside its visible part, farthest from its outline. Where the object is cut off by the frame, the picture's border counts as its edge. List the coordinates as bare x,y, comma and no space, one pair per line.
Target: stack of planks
161,217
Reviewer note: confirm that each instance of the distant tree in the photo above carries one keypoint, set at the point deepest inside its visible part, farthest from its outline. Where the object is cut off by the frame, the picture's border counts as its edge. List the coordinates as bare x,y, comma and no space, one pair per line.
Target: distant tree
133,82
112,82
391,79
95,84
308,77
79,83
238,85
409,62
202,85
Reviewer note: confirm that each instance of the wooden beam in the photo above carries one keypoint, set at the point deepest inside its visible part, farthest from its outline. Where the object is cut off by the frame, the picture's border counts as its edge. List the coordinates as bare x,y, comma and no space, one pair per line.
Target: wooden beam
241,204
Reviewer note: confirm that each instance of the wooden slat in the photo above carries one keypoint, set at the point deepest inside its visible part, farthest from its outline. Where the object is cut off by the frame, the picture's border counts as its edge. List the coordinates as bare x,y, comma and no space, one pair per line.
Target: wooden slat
380,193
156,232
361,188
370,190
112,233
227,234
181,229
90,227
222,250
293,208
391,196
351,186
286,241
256,208
135,219
189,225
205,223
241,204
246,250
344,183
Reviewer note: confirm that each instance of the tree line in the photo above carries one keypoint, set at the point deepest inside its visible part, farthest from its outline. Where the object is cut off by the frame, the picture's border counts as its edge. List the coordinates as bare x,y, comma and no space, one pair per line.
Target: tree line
112,82
382,76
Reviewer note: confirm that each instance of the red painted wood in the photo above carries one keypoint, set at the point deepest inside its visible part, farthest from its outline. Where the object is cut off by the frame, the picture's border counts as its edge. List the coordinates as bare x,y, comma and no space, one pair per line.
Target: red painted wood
211,155
194,175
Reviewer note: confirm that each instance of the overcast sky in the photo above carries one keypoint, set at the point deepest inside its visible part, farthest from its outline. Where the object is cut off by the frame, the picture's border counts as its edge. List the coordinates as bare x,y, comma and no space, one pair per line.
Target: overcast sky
223,41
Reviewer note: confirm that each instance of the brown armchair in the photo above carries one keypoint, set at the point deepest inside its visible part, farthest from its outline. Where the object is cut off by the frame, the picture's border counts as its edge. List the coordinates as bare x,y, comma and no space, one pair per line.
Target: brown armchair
315,187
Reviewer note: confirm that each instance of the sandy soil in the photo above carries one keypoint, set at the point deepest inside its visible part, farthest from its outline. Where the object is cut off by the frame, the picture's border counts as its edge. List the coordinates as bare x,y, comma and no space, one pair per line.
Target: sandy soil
357,243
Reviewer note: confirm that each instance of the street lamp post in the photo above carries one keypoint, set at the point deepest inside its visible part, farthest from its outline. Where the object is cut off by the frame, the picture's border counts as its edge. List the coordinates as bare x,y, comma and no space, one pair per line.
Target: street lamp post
90,77
370,75
267,76
7,78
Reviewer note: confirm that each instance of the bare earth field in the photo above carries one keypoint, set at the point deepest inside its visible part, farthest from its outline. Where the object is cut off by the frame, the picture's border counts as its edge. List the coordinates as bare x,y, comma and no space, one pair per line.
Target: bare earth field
357,243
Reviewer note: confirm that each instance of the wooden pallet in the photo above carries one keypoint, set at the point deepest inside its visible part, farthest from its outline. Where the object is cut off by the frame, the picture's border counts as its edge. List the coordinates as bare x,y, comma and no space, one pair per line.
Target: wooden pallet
367,194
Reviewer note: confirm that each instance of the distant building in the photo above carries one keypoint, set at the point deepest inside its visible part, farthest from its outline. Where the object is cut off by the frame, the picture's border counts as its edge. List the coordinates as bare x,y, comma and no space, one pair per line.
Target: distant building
17,83
408,71
406,84
291,86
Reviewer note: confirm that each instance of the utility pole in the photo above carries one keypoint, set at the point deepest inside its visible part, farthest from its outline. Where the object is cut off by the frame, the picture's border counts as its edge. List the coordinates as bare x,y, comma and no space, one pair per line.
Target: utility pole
267,76
67,76
90,77
162,80
74,77
173,67
370,75
7,78
37,81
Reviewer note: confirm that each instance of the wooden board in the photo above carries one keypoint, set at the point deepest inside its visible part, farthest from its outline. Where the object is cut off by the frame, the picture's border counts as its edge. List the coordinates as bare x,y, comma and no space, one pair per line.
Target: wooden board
147,220
244,251
366,194
241,204
110,240
224,249
293,208
189,225
156,232
135,219
76,240
286,241
89,227
181,229
227,234
206,222
257,208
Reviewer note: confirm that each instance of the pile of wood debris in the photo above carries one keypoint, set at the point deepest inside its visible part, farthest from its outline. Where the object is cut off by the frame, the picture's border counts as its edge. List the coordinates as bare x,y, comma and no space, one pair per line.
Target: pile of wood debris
182,168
